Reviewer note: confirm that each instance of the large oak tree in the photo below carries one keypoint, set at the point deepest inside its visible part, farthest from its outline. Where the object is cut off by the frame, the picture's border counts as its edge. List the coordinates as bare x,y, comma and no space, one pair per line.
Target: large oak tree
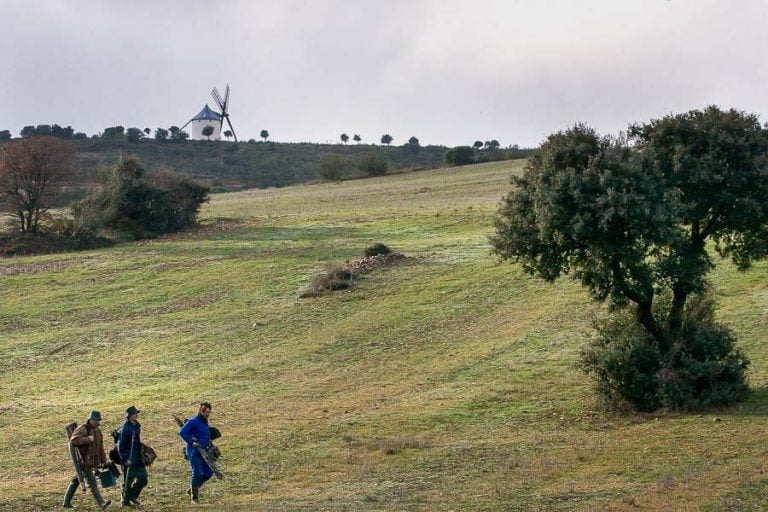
632,217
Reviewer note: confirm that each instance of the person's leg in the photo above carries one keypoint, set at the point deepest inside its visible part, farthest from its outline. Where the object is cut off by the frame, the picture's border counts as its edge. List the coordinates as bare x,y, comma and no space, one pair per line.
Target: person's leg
141,478
206,473
73,485
198,475
93,486
125,491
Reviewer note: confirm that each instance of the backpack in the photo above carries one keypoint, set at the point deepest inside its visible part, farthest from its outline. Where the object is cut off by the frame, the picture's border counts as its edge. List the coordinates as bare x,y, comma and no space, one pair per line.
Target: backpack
114,453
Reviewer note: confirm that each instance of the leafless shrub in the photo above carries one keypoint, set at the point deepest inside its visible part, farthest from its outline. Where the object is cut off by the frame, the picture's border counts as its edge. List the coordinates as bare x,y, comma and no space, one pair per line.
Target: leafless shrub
334,277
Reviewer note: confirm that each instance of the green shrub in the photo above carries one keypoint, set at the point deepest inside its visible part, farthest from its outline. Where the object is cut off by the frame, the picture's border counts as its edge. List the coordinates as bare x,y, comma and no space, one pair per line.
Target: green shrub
706,369
461,155
377,249
139,205
373,164
334,167
702,369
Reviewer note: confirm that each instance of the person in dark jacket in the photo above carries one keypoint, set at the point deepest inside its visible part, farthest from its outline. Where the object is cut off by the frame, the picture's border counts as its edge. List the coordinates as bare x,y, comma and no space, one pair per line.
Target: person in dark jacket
90,443
129,446
196,432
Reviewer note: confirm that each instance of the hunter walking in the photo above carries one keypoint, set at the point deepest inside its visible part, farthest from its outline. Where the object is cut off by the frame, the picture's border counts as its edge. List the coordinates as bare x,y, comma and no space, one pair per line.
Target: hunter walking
130,448
196,433
89,442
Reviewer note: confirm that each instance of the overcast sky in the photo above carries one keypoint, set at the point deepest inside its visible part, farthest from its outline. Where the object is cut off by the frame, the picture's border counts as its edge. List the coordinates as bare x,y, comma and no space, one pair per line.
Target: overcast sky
446,71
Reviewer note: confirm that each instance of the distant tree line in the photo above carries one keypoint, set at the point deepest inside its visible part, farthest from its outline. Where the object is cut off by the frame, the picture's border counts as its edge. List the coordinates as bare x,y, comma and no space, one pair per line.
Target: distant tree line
54,130
133,134
488,151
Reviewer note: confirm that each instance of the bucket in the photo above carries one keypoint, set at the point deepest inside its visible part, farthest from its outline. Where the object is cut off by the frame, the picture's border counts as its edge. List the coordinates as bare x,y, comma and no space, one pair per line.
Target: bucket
107,478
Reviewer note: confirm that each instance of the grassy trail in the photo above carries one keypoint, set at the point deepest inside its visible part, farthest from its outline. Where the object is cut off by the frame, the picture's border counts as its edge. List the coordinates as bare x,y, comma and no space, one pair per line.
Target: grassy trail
446,382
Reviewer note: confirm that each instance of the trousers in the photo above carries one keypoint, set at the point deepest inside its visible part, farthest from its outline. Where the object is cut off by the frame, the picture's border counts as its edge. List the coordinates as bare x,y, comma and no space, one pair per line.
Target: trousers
135,479
75,483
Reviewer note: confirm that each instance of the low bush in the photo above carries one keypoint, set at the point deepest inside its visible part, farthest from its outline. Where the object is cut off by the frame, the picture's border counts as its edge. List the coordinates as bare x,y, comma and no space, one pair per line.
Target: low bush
377,249
703,368
129,201
334,277
335,167
373,164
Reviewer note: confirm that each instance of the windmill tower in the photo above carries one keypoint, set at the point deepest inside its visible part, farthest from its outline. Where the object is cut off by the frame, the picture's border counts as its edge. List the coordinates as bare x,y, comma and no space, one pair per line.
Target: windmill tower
197,124
208,117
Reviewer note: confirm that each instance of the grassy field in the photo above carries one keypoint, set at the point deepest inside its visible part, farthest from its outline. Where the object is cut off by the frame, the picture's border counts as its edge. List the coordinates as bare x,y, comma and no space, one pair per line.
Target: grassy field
446,382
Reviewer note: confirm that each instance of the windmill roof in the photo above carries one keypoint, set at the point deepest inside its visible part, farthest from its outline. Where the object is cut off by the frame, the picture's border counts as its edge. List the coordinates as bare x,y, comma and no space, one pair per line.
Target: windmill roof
207,115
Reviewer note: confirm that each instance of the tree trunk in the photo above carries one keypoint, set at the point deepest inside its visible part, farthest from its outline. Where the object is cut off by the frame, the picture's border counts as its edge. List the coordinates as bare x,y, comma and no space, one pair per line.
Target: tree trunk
645,317
675,319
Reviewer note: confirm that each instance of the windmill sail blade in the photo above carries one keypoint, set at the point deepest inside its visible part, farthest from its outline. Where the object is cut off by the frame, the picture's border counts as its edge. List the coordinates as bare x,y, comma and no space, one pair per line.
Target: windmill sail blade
185,125
226,99
231,129
217,98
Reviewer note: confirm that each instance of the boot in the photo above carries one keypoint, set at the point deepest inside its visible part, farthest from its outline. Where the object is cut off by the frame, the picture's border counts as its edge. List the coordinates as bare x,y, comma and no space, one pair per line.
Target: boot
105,504
195,492
73,485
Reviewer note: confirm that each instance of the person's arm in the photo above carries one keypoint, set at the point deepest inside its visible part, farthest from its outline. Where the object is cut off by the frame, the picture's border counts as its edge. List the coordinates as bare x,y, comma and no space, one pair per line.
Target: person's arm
188,431
124,444
80,436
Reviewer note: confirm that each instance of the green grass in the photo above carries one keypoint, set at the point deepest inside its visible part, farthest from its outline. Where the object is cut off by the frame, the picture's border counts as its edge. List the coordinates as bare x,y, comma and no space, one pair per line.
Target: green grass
446,382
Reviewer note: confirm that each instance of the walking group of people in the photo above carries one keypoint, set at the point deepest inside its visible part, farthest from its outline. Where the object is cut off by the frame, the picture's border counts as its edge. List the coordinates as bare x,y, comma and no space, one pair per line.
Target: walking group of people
134,456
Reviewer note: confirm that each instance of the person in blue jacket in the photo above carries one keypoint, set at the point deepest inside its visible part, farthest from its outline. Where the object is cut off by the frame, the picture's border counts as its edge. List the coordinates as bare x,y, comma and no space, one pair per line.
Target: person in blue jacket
129,446
196,432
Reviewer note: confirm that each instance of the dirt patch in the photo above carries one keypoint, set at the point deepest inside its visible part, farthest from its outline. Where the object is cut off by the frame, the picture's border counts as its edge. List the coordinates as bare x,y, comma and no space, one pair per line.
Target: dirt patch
199,232
27,244
190,263
34,268
187,303
370,263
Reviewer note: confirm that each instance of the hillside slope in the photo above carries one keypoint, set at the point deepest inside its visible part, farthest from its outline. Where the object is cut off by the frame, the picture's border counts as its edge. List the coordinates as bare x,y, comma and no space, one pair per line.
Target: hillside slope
244,165
446,382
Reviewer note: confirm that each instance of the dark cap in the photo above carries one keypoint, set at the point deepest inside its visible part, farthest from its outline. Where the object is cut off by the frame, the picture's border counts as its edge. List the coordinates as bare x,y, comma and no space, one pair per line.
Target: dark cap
95,415
131,411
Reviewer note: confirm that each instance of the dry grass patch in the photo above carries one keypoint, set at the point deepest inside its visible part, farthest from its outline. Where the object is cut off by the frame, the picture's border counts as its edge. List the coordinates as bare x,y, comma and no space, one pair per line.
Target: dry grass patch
396,444
335,276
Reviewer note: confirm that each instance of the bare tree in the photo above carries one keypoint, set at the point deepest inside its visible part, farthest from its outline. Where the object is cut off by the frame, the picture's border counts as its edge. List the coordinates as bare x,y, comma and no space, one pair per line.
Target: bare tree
31,172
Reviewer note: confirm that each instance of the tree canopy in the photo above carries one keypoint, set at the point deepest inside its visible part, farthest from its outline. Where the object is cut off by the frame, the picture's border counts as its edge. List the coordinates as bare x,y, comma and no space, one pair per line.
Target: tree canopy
631,216
134,134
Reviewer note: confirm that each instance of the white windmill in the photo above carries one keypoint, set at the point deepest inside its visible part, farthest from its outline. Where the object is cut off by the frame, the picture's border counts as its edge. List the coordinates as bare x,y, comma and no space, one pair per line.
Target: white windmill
208,117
